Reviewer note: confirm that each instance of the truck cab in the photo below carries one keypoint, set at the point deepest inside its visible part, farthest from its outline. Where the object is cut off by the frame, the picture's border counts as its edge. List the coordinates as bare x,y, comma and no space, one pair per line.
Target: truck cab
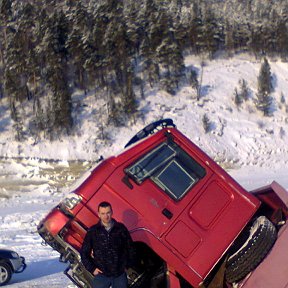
185,214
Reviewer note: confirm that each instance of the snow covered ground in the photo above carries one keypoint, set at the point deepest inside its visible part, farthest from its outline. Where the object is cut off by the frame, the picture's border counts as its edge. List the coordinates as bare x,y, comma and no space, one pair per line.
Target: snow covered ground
20,214
251,147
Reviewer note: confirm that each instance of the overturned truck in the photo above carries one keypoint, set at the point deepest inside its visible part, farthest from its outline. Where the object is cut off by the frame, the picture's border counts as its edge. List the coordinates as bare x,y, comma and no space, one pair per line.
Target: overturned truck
192,224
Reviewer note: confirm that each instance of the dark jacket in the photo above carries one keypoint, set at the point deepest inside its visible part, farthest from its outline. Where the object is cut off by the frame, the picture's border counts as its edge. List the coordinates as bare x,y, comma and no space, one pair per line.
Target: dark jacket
111,252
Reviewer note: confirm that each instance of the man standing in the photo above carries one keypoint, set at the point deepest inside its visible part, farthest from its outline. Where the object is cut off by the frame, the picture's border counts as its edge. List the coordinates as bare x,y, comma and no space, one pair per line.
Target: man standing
107,250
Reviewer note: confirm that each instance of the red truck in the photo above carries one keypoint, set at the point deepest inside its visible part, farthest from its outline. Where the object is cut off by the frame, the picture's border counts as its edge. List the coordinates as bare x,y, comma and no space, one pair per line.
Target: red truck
192,224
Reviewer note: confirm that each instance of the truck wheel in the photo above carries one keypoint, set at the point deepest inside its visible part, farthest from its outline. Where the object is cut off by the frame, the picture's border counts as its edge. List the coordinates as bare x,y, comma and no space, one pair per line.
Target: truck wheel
5,273
262,236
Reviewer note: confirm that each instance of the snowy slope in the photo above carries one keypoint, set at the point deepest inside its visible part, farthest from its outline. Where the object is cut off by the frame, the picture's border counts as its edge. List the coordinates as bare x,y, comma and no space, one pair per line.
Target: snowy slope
244,142
248,137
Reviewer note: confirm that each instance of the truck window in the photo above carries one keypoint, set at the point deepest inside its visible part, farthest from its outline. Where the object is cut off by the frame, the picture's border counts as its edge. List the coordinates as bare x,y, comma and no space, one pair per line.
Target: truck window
169,167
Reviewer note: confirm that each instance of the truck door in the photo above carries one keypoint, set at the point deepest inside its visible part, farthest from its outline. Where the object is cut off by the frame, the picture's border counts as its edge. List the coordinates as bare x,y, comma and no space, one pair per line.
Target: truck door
203,208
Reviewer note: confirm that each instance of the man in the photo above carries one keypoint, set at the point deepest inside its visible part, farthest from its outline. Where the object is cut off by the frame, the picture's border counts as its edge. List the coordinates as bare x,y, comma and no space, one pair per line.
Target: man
107,250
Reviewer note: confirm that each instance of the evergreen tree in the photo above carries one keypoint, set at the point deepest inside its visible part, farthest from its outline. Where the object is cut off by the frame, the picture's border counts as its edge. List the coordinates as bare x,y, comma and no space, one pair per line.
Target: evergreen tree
14,73
210,33
5,11
119,52
241,36
265,78
282,99
151,70
237,98
229,40
135,25
194,80
54,42
27,43
282,132
196,27
17,121
129,97
244,89
265,87
206,123
75,43
255,43
169,54
282,38
5,18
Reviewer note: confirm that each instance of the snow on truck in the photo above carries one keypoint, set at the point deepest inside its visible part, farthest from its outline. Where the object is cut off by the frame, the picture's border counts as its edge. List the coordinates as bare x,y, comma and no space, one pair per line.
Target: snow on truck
192,224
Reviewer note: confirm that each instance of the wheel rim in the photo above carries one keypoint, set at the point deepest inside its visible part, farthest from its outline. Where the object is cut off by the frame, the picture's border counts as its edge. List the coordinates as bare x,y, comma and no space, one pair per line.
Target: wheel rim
3,274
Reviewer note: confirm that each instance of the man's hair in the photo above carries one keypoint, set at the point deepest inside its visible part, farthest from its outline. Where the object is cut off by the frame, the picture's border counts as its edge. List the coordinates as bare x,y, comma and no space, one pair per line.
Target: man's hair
104,204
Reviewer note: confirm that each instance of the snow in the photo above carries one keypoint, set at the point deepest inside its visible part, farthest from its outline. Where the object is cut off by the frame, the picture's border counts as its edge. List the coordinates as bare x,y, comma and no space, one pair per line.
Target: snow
33,178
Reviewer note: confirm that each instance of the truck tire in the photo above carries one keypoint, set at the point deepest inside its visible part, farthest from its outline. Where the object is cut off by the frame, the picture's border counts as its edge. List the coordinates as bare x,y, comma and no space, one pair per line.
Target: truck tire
262,236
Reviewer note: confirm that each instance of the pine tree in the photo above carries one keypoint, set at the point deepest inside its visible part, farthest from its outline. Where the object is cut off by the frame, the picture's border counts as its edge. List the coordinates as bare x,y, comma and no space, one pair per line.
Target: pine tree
54,43
256,43
14,73
27,43
17,121
210,33
75,43
265,78
282,99
149,43
129,97
241,36
282,132
229,41
282,39
151,70
264,100
169,54
95,51
196,28
206,123
237,98
5,18
194,80
135,23
244,89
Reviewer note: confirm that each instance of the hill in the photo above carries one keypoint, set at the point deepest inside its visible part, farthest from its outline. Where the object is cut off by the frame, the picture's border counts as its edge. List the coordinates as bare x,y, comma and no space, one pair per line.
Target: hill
238,135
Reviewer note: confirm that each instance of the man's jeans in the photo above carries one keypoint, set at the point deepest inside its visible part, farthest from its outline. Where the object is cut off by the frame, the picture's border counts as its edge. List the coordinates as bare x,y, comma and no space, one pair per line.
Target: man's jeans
101,281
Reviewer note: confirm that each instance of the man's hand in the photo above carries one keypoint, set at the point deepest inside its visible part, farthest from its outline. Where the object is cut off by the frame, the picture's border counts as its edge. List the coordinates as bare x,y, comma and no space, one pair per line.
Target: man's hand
97,271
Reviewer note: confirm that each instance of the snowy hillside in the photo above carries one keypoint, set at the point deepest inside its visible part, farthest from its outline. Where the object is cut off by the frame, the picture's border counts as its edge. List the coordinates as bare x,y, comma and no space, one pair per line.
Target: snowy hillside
238,136
251,147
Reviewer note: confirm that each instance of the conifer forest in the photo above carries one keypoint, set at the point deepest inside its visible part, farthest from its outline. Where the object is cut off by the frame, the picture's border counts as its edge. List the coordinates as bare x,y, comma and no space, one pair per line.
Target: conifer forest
49,49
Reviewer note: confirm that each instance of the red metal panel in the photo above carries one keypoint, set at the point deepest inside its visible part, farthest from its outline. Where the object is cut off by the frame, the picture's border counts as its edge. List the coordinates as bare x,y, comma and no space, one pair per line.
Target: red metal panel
183,239
274,195
273,271
216,226
55,221
210,204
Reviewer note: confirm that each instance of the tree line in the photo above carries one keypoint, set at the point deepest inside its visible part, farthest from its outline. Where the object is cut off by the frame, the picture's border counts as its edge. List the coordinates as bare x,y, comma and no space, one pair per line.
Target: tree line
50,48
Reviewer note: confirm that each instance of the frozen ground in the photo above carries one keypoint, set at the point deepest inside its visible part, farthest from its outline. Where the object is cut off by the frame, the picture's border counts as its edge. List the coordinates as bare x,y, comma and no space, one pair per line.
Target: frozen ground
20,214
251,147
29,189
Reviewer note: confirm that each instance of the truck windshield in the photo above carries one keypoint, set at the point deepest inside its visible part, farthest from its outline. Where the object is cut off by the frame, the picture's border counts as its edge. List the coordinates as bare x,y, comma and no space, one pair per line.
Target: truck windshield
168,166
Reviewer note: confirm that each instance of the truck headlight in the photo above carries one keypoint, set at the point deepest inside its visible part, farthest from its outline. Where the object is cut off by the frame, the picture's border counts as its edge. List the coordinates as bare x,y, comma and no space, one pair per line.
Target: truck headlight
70,201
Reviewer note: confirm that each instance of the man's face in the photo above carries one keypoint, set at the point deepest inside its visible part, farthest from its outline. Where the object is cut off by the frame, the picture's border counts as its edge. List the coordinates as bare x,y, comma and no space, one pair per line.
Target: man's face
105,215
